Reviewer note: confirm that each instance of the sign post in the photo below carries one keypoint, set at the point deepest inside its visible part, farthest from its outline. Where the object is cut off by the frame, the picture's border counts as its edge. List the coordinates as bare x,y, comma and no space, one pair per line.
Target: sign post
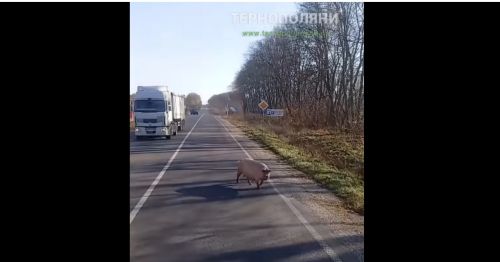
263,105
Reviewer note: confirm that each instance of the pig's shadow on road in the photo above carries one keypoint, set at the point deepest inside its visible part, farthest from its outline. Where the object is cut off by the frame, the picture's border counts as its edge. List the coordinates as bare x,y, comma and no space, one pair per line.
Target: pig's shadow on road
210,193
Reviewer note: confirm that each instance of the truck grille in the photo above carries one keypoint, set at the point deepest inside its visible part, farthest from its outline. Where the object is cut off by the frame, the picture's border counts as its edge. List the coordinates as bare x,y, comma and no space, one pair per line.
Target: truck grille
148,120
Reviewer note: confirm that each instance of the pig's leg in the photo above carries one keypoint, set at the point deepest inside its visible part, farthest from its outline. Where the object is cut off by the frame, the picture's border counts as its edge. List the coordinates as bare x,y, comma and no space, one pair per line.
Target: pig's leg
261,182
258,184
238,176
248,180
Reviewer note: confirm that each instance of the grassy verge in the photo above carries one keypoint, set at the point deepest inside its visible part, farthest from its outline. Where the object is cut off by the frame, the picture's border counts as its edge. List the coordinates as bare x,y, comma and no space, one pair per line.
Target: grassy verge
333,160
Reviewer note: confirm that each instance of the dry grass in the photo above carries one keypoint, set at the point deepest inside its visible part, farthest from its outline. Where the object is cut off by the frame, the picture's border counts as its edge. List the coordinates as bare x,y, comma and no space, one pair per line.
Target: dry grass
335,159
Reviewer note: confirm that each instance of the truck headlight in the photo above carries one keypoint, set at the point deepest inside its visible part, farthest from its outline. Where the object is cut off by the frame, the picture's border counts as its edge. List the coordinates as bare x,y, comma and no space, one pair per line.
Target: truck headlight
136,129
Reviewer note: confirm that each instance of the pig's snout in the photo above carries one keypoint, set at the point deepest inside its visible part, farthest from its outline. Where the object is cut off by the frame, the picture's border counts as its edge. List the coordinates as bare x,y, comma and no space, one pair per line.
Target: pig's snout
266,174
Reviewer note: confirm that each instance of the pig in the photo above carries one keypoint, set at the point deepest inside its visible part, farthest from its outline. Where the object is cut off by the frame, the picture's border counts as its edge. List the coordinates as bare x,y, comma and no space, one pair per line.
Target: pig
253,170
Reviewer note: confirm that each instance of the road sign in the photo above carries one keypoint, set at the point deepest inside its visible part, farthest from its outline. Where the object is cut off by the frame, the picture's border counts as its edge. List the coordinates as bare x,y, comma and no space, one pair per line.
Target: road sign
275,112
263,105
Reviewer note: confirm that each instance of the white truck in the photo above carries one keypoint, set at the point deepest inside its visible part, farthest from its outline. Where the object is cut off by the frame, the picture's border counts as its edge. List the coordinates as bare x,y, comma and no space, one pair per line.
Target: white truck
179,111
153,112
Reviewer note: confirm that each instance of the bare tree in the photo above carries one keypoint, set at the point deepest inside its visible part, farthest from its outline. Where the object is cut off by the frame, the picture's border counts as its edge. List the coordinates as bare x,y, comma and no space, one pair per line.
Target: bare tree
314,71
193,101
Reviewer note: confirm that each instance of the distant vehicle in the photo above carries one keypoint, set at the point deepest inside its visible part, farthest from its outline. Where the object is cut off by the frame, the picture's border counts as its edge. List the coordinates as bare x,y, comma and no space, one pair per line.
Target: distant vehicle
193,112
153,112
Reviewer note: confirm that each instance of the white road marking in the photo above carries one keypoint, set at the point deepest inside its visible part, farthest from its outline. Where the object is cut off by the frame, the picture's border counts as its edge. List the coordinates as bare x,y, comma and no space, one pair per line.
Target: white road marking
141,202
328,250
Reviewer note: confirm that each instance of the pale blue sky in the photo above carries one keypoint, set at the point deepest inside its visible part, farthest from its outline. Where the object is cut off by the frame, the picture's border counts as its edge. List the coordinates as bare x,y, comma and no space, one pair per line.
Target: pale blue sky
192,47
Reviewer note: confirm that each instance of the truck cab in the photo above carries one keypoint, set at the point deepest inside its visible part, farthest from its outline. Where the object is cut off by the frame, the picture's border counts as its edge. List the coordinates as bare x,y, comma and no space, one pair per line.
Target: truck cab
153,112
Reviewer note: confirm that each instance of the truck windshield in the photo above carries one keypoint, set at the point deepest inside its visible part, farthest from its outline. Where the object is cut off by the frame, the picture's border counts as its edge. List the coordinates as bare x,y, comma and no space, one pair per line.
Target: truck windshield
149,106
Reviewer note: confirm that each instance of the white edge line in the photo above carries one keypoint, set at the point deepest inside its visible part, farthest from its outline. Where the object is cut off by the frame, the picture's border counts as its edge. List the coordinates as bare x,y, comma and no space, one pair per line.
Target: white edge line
328,250
146,195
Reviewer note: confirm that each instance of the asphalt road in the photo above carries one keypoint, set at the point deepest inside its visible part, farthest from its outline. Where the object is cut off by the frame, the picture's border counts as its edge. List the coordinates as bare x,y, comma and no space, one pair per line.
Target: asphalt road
197,212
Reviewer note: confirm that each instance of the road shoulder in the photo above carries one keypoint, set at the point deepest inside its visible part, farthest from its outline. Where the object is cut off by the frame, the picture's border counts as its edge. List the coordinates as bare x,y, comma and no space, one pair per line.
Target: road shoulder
327,209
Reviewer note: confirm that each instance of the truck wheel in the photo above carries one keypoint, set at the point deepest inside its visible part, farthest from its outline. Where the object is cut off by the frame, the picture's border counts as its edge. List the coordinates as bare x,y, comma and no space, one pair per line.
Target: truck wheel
167,137
174,133
179,128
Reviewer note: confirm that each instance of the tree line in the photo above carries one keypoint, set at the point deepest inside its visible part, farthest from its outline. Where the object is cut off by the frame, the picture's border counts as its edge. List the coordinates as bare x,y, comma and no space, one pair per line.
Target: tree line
312,70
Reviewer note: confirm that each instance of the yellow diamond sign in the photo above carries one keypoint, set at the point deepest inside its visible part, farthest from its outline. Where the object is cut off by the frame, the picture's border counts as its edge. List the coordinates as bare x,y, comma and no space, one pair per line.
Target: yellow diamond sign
263,105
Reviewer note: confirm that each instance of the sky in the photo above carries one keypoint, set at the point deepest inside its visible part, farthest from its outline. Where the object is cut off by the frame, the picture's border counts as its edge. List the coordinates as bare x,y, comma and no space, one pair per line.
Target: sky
193,47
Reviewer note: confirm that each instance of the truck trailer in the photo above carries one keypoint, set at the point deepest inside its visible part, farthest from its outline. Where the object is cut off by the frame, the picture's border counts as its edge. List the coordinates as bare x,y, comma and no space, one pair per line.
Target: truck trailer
179,112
